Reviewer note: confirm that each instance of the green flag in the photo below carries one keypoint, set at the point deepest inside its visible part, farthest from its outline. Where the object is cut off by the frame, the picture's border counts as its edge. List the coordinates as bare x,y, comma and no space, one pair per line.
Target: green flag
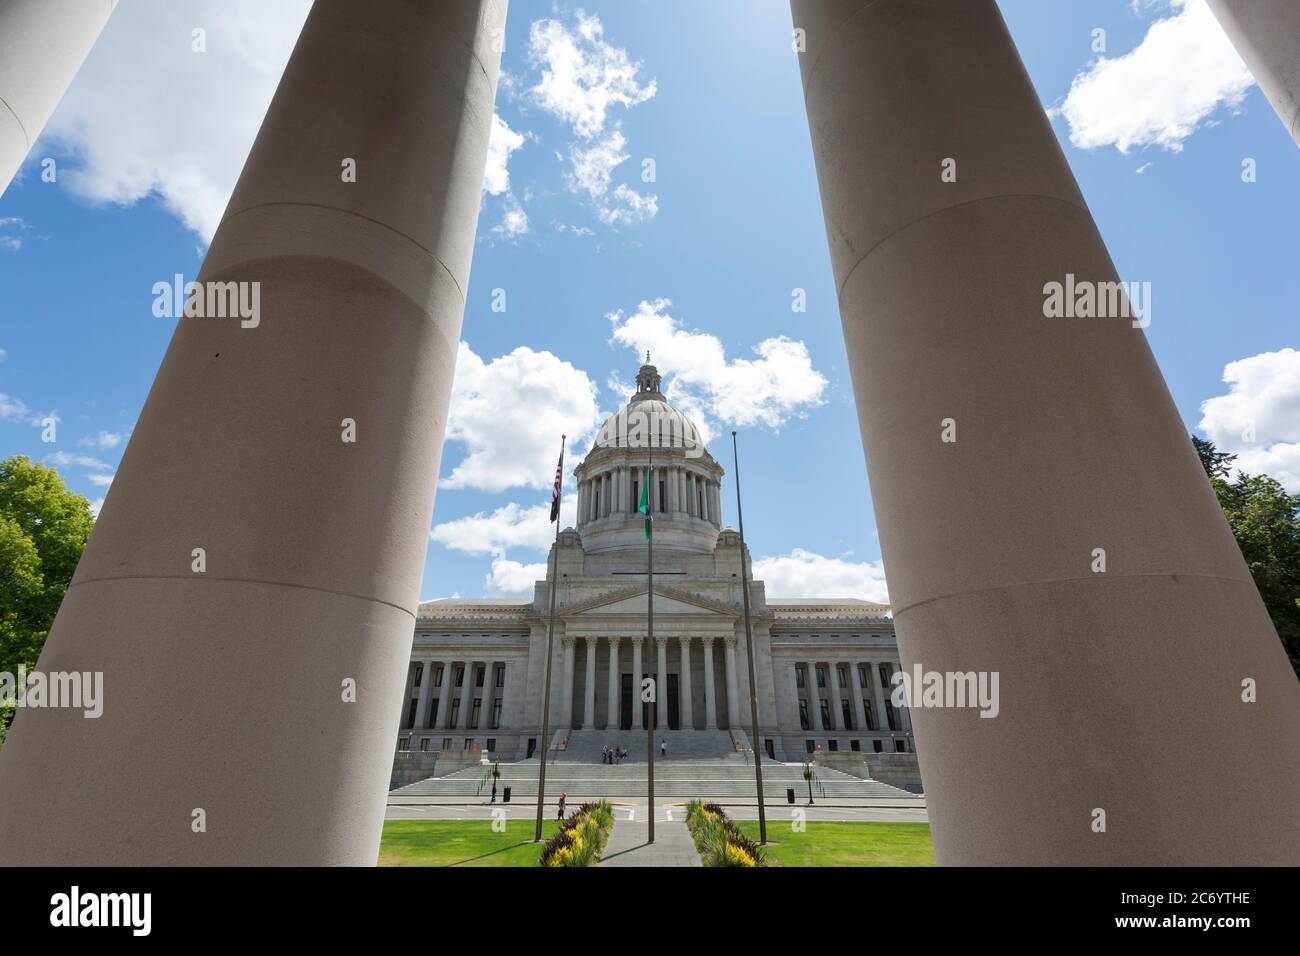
645,503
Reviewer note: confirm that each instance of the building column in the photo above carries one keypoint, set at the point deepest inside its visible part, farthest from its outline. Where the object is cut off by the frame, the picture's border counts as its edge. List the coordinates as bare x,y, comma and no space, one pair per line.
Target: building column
716,491
1266,33
582,502
687,719
589,688
618,503
710,692
878,697
444,696
422,707
794,686
466,697
42,45
832,695
391,250
566,698
685,507
612,709
636,683
733,694
661,684
1105,452
855,682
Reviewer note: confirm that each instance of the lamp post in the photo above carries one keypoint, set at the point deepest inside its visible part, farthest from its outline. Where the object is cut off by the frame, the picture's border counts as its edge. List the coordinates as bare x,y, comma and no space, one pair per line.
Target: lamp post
808,775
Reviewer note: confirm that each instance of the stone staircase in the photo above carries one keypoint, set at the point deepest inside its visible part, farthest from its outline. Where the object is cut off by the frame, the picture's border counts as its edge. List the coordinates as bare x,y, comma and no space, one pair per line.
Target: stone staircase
714,770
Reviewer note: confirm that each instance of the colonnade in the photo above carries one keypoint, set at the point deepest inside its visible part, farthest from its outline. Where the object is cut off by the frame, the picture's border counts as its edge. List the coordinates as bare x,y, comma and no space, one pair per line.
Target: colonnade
615,491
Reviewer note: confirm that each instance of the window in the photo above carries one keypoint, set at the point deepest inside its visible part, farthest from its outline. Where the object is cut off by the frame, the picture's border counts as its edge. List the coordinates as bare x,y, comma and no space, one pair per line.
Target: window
799,680
410,714
437,676
424,745
446,743
474,712
455,713
419,673
810,745
870,712
846,713
460,676
479,675
891,716
496,714
403,743
699,509
636,494
842,674
595,501
855,746
501,675
864,675
821,677
469,743
803,716
876,746
834,744
826,715
491,745
900,746
663,496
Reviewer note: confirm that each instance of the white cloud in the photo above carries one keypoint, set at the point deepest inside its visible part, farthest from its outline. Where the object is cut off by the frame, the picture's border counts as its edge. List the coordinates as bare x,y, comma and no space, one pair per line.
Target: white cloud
3,355
103,440
582,76
501,143
102,481
1259,419
509,526
14,409
1163,90
769,390
514,221
801,574
512,579
11,242
96,506
510,413
148,116
64,459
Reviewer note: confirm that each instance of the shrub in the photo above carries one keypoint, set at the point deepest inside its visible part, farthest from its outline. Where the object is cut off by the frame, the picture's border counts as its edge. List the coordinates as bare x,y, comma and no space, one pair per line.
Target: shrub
717,838
581,838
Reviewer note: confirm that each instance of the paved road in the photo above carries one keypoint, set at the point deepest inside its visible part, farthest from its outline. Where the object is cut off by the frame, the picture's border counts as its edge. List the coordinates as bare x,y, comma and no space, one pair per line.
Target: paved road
627,844
666,811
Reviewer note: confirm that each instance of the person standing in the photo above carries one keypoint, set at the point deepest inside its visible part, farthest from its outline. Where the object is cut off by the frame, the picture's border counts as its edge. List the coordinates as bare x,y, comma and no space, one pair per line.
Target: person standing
663,747
563,798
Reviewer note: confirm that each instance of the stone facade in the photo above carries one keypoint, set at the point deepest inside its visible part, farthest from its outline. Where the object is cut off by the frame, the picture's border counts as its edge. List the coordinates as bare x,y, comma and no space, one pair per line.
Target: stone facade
822,665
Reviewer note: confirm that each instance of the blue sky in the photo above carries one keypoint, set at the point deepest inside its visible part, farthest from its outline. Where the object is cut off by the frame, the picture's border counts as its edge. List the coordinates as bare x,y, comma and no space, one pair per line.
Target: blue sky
699,264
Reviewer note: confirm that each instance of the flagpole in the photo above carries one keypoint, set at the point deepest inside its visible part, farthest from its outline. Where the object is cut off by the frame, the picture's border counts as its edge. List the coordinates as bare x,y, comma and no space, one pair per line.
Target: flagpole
749,651
550,643
650,630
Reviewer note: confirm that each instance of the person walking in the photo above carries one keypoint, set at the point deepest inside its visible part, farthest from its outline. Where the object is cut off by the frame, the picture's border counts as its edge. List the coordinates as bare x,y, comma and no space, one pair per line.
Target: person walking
663,747
494,792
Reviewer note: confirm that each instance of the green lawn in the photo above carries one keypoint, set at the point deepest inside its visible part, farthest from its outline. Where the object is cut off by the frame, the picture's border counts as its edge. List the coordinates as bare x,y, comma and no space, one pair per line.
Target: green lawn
848,843
461,843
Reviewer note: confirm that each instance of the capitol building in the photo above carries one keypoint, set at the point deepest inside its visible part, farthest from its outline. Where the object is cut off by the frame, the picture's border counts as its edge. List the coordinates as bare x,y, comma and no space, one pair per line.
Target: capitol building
478,668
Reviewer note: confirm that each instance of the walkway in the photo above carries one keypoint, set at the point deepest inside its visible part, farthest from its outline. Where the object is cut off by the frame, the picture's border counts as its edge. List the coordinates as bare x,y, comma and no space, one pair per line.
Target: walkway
627,844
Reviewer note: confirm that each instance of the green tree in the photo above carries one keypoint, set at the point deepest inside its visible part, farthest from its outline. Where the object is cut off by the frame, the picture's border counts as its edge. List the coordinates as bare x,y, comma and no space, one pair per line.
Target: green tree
43,529
1265,520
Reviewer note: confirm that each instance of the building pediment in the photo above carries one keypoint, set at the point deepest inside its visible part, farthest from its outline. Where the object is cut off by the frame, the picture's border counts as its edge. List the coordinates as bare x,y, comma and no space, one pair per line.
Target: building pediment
631,602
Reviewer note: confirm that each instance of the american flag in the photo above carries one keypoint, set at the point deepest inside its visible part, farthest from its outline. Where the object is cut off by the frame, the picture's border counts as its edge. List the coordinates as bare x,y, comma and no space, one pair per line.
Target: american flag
555,493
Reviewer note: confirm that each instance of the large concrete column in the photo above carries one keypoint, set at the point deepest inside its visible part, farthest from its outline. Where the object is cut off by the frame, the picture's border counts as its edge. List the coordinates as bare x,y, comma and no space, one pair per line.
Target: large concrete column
636,683
1267,35
42,45
466,697
832,695
589,688
306,596
687,720
710,688
1114,684
612,709
566,696
878,692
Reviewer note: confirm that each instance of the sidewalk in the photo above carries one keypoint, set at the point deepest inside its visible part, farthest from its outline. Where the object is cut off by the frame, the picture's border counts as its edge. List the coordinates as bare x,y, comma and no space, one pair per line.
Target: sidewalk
627,845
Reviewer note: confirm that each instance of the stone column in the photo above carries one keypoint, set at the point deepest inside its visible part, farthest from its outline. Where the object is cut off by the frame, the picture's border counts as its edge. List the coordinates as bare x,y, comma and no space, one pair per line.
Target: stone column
687,719
589,688
794,686
733,694
566,698
878,697
422,706
1266,34
582,502
249,428
832,695
618,505
681,485
716,491
710,691
42,45
612,707
855,682
636,683
661,684
444,696
894,91
466,697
